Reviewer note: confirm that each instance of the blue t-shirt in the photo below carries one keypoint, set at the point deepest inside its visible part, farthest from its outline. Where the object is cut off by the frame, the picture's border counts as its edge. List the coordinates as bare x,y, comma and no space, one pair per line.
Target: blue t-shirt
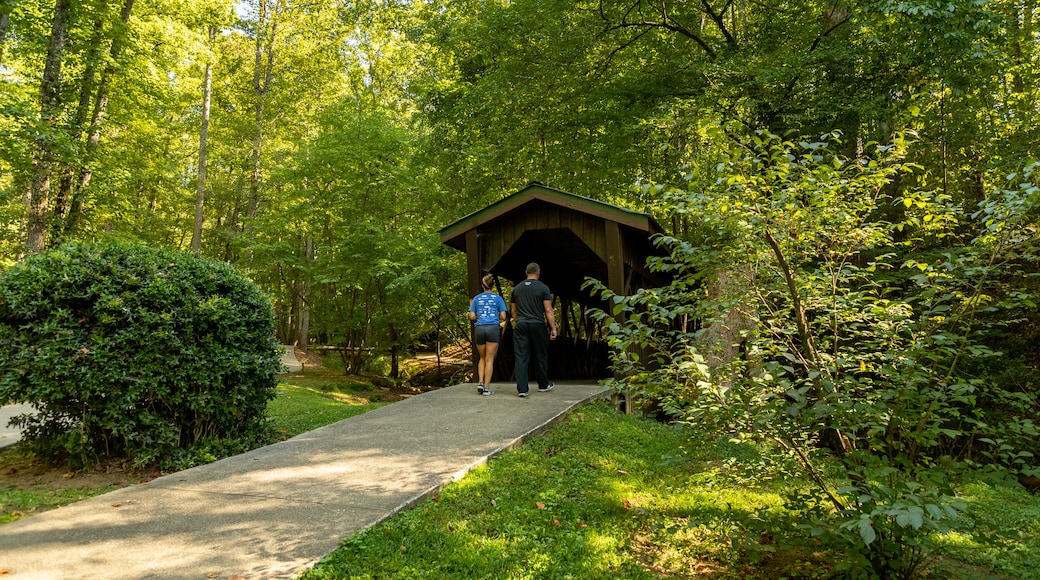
487,306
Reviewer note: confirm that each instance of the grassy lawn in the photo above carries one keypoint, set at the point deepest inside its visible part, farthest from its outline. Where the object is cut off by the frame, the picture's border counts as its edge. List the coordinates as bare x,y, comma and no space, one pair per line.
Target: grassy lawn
304,404
603,495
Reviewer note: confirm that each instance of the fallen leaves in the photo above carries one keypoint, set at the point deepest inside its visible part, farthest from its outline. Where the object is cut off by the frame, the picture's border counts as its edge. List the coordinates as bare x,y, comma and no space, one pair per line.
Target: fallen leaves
539,505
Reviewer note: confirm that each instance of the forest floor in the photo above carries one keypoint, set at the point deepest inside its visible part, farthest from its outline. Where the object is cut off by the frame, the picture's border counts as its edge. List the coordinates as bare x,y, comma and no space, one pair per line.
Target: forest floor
425,374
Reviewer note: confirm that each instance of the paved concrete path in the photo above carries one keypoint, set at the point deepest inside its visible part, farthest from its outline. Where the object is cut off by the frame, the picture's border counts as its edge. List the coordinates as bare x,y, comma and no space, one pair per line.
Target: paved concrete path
289,361
276,511
11,435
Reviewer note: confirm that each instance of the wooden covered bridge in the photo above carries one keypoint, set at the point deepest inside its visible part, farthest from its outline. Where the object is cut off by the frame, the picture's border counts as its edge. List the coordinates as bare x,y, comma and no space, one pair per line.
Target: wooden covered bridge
571,237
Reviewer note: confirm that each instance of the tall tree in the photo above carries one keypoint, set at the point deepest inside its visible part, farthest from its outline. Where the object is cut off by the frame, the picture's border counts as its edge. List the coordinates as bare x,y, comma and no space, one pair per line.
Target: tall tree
67,216
269,14
200,185
43,151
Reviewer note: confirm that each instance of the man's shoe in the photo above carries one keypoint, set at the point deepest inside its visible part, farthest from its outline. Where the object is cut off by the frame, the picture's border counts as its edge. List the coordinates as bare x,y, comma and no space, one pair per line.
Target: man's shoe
546,388
523,395
480,388
488,391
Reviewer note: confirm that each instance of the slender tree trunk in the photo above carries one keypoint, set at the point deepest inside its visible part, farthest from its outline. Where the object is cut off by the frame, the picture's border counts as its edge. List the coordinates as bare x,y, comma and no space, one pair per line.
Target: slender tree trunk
200,185
303,307
43,154
63,195
1017,40
262,75
100,105
5,23
1028,8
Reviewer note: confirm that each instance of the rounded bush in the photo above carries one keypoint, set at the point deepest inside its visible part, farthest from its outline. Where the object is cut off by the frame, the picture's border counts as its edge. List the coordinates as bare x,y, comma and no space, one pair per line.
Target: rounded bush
128,351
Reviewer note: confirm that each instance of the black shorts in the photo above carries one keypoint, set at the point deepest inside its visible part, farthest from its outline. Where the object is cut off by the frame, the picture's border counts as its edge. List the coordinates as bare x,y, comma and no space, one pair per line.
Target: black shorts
487,333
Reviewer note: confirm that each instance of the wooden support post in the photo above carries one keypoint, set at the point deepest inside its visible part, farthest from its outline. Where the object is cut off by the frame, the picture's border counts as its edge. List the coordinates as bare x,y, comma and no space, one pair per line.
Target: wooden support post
473,287
616,283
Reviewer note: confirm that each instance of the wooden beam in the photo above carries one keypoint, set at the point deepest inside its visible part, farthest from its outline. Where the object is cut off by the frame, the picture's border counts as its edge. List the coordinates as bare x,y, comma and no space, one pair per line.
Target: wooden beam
473,287
615,258
472,263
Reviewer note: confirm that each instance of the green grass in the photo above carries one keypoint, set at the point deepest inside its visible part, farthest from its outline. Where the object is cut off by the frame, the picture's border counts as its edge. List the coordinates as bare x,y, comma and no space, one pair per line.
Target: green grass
16,503
1001,532
604,495
299,408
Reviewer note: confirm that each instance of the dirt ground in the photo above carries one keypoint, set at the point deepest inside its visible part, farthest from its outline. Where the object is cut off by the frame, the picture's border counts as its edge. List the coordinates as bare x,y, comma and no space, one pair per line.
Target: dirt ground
23,474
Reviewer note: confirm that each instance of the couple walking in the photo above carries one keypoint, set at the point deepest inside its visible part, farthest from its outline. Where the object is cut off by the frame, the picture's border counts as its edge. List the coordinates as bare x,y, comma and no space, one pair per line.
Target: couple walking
531,306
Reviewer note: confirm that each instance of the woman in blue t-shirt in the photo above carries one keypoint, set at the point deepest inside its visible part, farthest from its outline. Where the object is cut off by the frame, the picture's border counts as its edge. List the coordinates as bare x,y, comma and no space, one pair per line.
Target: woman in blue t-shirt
487,310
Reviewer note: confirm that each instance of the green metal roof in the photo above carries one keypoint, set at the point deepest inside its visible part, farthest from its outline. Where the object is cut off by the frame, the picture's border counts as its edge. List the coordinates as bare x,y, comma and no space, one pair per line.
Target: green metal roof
454,234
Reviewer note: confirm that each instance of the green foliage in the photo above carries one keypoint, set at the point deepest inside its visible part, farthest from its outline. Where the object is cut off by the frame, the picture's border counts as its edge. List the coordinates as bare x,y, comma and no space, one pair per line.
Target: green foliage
809,339
133,351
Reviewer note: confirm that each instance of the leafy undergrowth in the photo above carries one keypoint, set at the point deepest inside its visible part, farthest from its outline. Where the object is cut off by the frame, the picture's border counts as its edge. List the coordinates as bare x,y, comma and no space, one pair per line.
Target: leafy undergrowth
604,495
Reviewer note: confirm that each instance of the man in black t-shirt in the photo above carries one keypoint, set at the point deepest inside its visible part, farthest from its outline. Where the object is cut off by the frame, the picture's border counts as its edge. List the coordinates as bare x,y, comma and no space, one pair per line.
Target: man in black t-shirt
531,304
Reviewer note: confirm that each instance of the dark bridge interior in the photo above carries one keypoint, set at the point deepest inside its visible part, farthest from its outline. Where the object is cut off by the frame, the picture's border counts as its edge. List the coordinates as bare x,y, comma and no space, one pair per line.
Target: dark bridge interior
572,238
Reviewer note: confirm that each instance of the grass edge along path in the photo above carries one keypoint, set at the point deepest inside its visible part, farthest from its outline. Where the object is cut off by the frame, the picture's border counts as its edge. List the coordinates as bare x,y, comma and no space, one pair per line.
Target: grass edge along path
605,495
303,403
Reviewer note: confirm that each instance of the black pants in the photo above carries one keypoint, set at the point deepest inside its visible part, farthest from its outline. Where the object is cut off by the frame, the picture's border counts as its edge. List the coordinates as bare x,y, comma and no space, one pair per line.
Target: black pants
531,338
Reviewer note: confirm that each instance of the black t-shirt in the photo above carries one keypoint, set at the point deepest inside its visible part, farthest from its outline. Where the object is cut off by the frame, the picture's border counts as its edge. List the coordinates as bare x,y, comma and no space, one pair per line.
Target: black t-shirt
528,297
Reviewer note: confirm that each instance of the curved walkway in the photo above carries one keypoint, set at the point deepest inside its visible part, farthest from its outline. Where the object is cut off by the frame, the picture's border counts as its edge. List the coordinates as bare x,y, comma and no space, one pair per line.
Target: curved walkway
276,511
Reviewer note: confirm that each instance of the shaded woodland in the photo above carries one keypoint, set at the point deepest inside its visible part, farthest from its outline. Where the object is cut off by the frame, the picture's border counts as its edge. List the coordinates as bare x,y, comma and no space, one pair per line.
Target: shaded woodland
318,146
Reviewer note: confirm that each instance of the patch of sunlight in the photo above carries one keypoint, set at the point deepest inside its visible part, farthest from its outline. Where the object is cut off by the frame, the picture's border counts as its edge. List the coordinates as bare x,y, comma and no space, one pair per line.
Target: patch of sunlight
603,551
958,539
602,543
539,565
344,397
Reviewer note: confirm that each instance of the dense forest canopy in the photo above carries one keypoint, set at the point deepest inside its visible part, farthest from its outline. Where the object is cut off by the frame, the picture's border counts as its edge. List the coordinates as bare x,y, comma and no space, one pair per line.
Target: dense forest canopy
319,145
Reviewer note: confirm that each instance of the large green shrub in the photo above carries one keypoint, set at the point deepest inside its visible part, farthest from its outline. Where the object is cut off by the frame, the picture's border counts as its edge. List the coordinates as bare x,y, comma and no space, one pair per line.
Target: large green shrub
131,351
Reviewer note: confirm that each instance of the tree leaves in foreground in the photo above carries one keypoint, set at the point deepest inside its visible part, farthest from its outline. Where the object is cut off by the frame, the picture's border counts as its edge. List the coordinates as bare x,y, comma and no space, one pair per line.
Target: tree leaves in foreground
795,317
